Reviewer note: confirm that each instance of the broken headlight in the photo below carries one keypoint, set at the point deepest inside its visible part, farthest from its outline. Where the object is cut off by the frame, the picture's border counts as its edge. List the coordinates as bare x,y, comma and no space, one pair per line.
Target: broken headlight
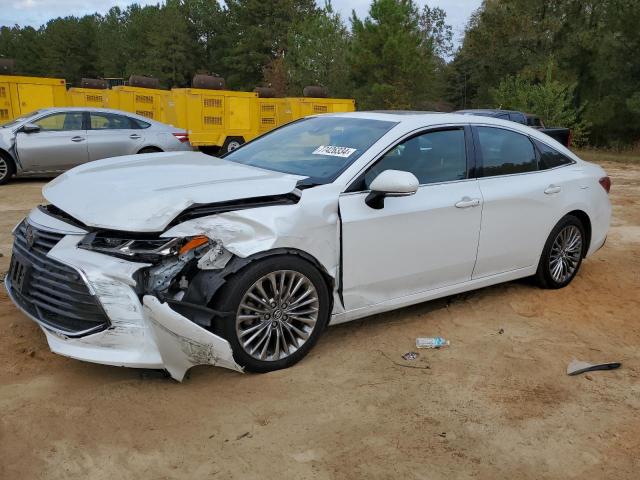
151,249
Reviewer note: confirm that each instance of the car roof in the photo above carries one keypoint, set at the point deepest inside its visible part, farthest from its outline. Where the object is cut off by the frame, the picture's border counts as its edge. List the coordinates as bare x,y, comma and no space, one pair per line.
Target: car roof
418,118
96,110
486,111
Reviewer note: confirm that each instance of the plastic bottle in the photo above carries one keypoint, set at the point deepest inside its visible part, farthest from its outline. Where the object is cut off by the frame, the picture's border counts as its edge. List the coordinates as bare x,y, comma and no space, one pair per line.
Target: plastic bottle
431,342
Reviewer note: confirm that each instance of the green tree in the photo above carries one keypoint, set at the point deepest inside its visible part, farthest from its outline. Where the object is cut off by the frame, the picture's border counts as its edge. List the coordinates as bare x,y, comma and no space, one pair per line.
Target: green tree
390,64
259,32
113,49
552,100
69,48
208,25
593,43
317,53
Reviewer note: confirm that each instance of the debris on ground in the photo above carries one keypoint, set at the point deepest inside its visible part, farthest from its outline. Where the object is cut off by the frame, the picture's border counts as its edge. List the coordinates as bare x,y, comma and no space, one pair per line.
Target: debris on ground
501,331
410,356
398,364
431,342
577,367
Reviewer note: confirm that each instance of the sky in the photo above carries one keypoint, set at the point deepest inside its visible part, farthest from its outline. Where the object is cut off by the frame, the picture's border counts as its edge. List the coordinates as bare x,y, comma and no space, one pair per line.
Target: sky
38,12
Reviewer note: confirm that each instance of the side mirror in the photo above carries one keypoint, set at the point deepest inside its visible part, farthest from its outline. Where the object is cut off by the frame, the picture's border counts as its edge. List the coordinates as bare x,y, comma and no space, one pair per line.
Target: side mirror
30,128
391,183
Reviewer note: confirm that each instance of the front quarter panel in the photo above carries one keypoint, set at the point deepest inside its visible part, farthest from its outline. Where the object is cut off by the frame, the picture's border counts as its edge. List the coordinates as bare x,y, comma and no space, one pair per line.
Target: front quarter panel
310,226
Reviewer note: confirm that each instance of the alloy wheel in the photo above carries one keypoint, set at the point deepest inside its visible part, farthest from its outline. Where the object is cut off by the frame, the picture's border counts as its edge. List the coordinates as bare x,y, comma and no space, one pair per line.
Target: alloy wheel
4,168
277,315
565,254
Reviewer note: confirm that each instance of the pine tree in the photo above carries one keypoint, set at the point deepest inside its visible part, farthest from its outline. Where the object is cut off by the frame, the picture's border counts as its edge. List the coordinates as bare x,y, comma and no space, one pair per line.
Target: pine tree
391,67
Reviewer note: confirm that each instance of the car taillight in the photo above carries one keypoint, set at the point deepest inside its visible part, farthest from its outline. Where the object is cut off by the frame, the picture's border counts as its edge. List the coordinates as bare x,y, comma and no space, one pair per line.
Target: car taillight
182,136
606,183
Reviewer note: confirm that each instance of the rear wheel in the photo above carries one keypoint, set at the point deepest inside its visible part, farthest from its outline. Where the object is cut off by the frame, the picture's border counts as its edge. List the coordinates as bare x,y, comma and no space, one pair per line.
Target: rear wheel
280,306
562,254
7,168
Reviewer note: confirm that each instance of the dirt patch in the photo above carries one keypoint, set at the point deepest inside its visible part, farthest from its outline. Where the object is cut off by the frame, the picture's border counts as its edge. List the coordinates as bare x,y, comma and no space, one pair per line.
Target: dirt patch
493,405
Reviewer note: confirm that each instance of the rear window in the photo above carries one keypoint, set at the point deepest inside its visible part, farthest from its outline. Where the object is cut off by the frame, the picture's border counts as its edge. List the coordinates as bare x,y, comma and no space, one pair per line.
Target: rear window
139,124
550,158
534,121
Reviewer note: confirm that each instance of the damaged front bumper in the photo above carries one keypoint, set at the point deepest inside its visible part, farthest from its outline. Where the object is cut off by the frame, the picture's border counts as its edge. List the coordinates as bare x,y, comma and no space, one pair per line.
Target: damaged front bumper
141,334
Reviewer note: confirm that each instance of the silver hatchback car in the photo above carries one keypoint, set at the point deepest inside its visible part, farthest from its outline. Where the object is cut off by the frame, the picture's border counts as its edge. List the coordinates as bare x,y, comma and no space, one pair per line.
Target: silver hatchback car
49,141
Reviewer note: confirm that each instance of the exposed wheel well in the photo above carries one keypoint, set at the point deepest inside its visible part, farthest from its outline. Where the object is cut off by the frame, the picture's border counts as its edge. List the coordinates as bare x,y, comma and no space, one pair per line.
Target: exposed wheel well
241,263
7,156
586,223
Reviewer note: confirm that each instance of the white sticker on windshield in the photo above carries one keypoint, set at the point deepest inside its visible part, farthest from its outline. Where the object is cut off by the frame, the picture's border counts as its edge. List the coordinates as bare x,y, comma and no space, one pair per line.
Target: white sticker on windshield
333,151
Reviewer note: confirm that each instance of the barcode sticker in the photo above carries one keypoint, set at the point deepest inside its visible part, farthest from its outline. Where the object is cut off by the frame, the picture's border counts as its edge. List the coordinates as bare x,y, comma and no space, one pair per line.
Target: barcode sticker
333,151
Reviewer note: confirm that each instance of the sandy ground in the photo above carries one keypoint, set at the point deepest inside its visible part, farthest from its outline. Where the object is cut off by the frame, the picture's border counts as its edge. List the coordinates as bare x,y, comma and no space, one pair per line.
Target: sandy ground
492,406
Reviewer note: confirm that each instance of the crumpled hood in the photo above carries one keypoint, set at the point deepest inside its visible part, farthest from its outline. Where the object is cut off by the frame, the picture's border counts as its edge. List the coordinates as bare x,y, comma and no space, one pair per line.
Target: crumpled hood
144,193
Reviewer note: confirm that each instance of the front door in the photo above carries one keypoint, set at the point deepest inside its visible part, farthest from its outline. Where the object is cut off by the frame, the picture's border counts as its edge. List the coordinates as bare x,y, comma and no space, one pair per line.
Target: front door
60,144
413,244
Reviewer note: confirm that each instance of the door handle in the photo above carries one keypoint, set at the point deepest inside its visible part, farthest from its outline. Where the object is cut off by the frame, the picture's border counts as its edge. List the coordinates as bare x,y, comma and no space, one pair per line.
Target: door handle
467,202
551,189
134,136
77,139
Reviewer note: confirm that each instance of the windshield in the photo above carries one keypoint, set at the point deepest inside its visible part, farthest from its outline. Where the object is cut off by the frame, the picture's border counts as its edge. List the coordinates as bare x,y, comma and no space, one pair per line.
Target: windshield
317,147
17,120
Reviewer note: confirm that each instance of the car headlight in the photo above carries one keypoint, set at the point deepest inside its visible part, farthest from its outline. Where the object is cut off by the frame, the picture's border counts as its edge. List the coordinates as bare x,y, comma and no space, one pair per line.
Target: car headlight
150,249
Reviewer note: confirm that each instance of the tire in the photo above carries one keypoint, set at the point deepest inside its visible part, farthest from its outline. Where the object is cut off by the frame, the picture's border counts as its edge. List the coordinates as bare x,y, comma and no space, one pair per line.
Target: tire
7,168
562,254
266,330
149,150
231,143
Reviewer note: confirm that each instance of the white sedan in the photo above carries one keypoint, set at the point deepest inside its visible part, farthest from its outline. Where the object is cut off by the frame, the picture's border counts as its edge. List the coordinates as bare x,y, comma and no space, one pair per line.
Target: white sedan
172,260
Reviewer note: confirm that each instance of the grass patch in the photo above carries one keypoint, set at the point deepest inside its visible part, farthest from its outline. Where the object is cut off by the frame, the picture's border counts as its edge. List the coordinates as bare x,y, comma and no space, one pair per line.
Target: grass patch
597,156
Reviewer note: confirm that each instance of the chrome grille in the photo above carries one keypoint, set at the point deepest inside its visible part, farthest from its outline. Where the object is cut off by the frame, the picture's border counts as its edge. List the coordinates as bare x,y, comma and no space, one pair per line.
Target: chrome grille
50,291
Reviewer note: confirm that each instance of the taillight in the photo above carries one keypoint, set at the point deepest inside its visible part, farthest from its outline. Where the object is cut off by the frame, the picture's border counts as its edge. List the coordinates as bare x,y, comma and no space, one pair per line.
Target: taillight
182,136
606,183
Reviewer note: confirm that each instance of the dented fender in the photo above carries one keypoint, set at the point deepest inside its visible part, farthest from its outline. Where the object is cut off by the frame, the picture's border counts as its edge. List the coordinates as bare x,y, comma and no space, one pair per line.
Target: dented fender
298,226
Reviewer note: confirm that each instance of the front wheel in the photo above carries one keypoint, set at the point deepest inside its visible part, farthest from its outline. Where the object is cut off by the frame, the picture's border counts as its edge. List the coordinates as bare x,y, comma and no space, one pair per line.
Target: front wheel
7,169
562,254
280,307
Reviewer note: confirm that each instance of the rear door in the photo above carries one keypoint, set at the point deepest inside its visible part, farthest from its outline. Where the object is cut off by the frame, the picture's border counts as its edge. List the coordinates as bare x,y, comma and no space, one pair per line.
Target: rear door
113,135
521,199
60,144
413,244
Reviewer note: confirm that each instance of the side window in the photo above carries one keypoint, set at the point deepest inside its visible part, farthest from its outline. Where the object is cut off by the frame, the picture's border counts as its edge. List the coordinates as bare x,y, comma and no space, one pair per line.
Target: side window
432,157
534,121
550,158
59,122
108,121
505,152
139,124
517,117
